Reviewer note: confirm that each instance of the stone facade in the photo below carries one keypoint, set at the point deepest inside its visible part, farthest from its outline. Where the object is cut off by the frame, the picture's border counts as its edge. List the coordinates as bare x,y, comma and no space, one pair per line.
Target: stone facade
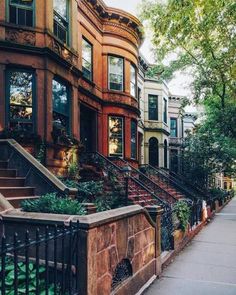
38,50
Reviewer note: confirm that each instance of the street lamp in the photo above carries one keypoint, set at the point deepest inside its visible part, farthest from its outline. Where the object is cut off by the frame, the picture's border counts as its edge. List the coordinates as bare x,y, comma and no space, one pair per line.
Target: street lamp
127,174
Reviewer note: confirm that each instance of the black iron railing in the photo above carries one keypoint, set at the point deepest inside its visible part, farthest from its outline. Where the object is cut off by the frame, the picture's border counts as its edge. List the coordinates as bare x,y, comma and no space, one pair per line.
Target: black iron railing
151,185
43,262
185,181
166,220
169,181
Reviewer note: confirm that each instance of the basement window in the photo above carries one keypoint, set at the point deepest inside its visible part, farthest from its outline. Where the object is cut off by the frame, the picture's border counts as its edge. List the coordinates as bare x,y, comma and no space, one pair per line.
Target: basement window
21,12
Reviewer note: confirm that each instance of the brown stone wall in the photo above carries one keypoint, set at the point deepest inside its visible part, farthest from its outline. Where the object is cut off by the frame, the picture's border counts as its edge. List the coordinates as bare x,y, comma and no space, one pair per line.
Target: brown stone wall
130,238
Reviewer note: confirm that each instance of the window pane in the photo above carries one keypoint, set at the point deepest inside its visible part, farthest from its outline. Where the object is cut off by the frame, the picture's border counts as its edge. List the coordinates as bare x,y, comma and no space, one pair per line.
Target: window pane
116,73
116,65
20,112
165,111
132,74
29,18
115,136
153,107
60,97
60,108
21,100
87,59
21,88
21,17
173,127
27,3
60,6
12,15
133,140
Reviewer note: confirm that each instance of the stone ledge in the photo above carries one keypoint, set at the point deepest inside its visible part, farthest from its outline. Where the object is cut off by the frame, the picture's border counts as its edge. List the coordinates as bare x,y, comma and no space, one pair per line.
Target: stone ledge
85,222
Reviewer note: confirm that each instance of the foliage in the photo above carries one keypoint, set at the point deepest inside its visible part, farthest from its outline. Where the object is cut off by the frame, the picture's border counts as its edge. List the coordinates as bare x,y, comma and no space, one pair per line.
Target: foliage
21,276
89,189
20,135
198,35
41,155
218,193
217,138
51,203
182,211
73,170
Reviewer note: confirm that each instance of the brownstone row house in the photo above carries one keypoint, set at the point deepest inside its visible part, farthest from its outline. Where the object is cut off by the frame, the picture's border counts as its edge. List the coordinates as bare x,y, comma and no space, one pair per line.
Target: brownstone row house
68,69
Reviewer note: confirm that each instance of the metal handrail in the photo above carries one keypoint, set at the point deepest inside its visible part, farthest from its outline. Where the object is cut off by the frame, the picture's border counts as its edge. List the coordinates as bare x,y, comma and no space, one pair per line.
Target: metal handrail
142,185
161,190
187,182
172,181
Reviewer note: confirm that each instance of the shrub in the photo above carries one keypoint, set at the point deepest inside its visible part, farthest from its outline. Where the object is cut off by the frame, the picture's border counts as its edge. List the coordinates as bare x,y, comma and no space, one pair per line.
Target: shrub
51,203
21,276
182,212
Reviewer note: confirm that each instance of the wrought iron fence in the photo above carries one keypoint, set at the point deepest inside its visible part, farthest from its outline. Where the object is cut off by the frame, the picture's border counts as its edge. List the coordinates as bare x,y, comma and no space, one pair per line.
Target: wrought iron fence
43,262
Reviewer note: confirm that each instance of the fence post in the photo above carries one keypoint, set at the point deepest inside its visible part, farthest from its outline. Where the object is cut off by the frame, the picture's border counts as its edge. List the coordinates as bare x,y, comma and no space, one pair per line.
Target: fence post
155,212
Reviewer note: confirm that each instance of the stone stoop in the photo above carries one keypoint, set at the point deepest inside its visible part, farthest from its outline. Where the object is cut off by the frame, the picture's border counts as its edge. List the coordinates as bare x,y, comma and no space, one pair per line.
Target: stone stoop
13,188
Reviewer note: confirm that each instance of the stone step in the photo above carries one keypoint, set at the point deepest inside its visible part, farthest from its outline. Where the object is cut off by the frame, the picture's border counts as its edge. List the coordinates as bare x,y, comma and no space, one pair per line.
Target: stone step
3,164
17,191
8,172
12,181
16,201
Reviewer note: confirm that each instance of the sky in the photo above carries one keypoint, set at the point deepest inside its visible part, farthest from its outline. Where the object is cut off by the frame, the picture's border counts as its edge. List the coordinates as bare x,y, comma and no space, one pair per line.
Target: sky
180,84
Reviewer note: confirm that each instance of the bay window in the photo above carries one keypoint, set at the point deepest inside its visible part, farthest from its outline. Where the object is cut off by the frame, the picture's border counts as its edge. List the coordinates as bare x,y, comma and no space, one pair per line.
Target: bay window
133,139
133,81
60,20
116,136
87,56
21,12
20,96
61,109
115,73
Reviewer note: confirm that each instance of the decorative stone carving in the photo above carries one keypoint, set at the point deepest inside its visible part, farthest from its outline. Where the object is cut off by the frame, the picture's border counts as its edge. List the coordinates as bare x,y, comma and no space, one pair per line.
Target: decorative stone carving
120,31
22,37
62,51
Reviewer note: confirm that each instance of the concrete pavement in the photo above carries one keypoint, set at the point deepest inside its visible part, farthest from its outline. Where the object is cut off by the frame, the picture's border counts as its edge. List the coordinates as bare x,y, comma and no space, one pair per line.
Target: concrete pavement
207,266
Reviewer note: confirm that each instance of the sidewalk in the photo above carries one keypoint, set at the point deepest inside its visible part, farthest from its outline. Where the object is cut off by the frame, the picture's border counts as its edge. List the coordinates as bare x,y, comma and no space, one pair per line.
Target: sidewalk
208,265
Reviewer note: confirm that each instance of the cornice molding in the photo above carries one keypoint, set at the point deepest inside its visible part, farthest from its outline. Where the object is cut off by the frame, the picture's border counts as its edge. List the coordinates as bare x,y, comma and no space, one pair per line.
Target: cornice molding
101,15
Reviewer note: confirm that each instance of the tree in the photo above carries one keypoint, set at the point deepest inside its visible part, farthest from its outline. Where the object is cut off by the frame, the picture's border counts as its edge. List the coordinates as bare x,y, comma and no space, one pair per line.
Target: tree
202,36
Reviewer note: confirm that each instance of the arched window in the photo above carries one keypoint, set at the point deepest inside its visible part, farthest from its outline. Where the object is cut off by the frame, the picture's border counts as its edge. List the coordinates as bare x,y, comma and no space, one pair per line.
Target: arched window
153,152
165,154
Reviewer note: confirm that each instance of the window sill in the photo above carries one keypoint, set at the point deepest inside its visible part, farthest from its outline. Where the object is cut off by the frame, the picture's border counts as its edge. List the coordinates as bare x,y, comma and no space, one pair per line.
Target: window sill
88,81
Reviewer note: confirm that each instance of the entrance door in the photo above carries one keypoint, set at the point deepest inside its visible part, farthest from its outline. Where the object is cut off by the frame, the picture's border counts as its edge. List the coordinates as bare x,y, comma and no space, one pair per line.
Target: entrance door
88,128
153,152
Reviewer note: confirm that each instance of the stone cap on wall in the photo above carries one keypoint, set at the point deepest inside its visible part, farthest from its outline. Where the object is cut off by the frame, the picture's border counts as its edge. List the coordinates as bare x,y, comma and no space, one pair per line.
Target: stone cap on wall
85,222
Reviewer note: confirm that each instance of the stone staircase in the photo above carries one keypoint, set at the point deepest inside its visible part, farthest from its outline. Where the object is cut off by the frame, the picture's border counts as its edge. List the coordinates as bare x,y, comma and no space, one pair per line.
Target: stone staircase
22,177
12,187
138,192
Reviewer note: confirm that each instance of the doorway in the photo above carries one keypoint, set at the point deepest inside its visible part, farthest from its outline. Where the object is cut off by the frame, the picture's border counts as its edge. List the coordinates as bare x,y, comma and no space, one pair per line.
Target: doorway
88,128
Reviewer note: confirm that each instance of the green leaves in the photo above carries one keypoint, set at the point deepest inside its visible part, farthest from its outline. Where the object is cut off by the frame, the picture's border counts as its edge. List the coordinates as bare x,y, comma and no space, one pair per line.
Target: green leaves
21,277
182,212
50,203
202,35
